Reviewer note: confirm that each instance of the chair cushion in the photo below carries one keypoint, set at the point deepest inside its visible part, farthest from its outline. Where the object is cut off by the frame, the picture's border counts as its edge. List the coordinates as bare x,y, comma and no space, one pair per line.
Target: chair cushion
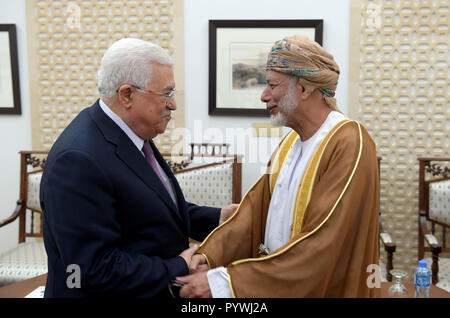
24,261
440,201
34,181
211,186
444,272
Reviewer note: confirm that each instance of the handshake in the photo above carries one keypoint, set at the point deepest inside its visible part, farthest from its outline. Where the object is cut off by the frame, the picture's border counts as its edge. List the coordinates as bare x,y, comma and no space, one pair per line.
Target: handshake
195,285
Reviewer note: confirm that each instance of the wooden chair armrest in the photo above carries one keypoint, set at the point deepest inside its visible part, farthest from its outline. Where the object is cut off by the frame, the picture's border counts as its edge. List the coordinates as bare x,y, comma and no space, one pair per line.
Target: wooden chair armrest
386,239
430,239
13,216
433,242
389,245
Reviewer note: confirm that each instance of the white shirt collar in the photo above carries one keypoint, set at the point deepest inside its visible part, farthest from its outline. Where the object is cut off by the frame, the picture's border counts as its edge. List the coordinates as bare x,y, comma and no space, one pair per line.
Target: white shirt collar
137,141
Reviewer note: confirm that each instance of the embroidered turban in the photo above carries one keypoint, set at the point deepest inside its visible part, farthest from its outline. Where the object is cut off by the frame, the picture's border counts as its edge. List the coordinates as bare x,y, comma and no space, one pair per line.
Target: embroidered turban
299,56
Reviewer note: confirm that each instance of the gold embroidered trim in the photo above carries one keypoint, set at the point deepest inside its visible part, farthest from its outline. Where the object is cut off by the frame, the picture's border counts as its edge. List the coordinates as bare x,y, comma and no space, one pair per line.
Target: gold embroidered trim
263,258
207,260
281,155
231,285
305,190
235,212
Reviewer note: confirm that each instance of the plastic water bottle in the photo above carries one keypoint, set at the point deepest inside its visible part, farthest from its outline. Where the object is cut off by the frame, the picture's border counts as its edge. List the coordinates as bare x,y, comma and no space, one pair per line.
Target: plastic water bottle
422,277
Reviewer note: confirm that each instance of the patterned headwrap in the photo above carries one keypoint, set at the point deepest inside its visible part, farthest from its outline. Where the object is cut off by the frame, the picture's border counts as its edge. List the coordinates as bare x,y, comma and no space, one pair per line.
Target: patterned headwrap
299,56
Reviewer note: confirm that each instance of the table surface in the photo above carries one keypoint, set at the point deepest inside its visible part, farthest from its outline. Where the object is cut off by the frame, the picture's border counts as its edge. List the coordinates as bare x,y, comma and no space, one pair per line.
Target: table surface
23,288
435,292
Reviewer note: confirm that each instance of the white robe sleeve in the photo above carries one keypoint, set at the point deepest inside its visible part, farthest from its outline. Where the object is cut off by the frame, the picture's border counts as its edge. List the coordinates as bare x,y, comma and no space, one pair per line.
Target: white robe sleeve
218,282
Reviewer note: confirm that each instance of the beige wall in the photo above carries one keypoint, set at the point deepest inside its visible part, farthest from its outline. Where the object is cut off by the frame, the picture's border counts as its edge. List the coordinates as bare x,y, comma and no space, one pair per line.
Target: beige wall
399,91
66,40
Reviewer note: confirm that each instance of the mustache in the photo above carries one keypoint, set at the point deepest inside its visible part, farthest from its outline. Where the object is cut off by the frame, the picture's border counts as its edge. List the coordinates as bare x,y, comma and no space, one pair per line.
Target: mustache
166,113
270,104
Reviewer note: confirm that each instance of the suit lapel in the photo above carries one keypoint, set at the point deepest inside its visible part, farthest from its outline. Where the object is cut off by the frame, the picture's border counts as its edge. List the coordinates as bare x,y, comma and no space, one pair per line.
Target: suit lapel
178,193
131,156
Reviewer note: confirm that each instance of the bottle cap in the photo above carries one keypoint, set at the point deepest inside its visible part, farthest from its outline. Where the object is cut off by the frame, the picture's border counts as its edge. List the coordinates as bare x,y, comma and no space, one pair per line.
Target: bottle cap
423,263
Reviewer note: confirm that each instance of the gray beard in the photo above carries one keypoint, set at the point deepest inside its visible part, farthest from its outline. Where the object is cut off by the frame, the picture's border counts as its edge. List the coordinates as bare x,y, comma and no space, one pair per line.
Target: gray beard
287,105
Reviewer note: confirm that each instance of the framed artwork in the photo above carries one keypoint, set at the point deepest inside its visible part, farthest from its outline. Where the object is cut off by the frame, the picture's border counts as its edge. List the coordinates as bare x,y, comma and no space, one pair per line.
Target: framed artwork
9,71
238,51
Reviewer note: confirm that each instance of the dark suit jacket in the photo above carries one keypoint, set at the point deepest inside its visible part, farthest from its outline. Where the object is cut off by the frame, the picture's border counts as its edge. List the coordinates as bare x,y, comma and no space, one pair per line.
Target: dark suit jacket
106,211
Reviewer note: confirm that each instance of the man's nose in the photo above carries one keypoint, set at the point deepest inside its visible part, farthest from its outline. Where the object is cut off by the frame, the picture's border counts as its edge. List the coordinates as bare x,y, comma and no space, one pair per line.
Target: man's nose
265,95
172,104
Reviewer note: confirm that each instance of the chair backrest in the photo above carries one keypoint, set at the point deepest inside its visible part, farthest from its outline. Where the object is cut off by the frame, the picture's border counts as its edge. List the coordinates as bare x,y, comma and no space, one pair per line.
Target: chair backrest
30,214
208,179
434,198
434,190
212,149
214,182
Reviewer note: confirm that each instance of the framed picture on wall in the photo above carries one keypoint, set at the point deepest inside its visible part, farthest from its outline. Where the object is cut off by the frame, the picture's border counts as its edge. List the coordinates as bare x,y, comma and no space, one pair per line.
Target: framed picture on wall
9,71
238,52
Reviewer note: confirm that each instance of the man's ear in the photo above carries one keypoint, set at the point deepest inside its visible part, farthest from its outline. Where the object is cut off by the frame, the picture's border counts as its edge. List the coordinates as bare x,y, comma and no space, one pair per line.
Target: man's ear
303,92
126,95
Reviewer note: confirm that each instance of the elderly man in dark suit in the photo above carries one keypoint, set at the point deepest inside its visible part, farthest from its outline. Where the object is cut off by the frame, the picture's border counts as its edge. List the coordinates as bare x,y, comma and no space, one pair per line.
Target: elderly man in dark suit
112,207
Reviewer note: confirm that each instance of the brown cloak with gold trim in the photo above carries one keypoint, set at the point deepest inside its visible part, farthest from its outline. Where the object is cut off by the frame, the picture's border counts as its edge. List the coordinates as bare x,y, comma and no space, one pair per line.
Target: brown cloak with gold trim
338,237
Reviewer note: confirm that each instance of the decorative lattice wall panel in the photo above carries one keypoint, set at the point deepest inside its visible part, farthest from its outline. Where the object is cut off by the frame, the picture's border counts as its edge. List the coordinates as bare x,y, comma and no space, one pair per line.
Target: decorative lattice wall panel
66,40
399,91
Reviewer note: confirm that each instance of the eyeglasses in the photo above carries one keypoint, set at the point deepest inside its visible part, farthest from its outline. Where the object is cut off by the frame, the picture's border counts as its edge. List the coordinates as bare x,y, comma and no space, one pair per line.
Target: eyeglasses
169,96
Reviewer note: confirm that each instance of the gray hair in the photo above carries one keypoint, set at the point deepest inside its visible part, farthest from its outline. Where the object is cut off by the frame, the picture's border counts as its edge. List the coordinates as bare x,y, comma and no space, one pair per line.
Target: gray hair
128,61
288,103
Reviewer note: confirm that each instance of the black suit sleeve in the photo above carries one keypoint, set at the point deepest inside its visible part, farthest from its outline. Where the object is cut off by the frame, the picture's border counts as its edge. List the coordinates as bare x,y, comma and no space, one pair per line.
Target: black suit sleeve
83,223
203,220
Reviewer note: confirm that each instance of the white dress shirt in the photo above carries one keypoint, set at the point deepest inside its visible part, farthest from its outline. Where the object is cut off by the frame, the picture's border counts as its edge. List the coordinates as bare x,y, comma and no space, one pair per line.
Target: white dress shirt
139,143
282,203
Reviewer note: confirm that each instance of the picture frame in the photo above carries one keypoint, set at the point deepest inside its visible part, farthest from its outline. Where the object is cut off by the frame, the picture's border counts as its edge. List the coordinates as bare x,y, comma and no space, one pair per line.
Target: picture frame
238,52
9,71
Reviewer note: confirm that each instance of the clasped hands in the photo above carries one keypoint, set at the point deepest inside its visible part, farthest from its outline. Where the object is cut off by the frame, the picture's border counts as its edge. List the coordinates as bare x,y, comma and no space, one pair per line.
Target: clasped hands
196,283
